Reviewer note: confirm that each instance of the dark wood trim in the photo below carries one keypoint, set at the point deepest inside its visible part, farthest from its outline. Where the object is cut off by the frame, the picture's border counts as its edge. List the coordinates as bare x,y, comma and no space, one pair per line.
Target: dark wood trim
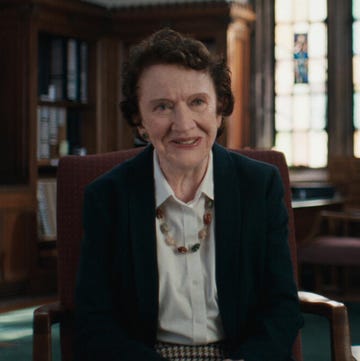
340,86
262,76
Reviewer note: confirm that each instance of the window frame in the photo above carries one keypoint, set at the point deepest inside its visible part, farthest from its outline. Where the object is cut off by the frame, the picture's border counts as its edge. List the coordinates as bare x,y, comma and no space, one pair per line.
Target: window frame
339,85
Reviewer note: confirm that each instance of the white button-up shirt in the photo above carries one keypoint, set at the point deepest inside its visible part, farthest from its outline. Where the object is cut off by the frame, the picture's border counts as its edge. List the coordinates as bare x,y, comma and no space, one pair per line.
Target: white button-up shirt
188,303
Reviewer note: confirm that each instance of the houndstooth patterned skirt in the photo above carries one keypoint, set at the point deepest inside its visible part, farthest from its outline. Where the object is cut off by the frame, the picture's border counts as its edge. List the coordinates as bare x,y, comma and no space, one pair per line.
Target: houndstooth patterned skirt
174,352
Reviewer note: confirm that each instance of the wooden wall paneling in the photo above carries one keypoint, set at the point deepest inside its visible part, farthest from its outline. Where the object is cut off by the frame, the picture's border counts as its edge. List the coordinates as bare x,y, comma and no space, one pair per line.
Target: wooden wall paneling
238,42
262,100
200,20
70,18
108,96
125,133
14,127
340,85
17,234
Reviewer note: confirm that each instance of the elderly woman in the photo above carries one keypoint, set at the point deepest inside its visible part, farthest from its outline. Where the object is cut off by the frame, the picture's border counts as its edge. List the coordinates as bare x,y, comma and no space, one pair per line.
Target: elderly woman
185,253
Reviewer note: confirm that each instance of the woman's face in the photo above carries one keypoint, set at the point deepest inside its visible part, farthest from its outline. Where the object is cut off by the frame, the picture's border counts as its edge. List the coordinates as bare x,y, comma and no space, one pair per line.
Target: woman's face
178,112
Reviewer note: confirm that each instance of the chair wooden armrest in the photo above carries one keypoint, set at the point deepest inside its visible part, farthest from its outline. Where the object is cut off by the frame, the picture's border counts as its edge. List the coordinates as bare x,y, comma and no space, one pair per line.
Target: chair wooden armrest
337,315
44,317
346,215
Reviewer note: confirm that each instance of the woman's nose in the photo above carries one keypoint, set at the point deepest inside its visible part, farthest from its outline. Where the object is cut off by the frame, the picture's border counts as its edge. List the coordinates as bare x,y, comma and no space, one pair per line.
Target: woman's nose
183,118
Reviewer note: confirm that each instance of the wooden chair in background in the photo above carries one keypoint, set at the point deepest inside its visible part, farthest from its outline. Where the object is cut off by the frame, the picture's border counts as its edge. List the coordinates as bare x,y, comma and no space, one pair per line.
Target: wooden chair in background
333,250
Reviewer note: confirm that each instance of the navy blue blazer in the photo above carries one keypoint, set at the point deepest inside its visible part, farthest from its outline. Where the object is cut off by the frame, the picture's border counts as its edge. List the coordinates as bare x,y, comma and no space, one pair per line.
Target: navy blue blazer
117,285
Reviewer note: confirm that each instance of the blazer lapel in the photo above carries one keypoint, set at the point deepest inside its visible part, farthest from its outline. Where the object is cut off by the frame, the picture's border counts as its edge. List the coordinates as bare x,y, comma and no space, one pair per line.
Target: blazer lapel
228,225
142,229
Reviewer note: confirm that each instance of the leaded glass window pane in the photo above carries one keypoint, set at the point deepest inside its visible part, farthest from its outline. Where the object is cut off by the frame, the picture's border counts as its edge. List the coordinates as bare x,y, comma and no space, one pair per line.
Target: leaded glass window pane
300,81
357,124
317,10
356,75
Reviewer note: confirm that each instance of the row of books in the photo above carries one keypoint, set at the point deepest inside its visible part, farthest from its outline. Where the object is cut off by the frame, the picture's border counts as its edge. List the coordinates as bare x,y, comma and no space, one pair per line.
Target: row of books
63,69
58,132
46,196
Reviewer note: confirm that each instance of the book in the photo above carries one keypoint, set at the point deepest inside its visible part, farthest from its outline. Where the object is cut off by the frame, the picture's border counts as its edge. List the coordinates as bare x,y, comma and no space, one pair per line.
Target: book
52,141
83,89
46,196
53,132
73,131
43,120
72,70
58,67
44,54
62,132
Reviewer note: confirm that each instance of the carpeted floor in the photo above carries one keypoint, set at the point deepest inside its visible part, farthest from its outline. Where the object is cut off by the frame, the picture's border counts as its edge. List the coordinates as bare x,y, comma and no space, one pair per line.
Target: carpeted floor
16,335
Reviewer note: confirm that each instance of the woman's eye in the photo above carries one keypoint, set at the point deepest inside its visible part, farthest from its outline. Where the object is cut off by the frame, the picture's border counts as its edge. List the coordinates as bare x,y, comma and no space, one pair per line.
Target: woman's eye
162,107
198,102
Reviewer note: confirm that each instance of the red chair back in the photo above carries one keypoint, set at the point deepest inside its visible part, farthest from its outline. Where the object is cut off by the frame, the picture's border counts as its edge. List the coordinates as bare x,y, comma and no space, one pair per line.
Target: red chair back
74,173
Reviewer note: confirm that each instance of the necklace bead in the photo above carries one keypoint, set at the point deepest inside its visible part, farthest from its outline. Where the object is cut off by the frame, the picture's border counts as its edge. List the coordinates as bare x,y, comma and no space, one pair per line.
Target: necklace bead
202,234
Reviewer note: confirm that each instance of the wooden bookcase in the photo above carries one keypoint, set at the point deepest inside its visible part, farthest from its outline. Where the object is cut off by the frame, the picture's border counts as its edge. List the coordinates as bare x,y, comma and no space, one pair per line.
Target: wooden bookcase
25,255
26,26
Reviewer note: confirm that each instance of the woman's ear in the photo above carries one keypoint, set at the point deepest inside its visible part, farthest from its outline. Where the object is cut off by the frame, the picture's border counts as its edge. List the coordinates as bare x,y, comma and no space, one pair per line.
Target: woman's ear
143,133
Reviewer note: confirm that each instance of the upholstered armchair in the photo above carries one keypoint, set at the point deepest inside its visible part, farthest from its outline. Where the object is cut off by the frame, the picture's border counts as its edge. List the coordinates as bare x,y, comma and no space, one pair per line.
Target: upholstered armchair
73,174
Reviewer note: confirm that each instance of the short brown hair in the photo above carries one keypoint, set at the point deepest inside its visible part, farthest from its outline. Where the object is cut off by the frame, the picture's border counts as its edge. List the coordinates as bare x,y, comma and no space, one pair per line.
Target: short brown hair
170,47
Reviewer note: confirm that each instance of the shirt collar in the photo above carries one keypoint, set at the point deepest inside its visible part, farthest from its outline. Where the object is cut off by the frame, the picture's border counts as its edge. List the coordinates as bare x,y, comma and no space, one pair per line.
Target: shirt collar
163,190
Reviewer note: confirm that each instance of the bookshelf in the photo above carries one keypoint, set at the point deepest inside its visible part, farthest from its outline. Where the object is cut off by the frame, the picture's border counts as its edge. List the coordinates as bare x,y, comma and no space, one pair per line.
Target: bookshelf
60,92
49,77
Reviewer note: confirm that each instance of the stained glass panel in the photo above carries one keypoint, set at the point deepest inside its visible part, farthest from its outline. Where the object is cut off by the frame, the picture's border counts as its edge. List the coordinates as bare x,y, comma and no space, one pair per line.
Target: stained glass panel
318,111
284,11
356,75
318,149
356,72
283,42
301,148
301,112
357,110
301,58
357,143
356,37
283,143
317,40
317,10
300,10
357,124
317,71
283,110
300,81
356,9
284,77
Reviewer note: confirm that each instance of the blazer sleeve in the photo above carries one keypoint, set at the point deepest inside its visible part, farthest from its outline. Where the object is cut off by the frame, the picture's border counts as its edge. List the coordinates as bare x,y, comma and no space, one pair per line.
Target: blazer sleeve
277,318
98,333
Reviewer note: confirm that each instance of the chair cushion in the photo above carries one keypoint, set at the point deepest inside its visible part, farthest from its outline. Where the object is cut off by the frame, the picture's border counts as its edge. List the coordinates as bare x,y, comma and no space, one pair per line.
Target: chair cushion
331,250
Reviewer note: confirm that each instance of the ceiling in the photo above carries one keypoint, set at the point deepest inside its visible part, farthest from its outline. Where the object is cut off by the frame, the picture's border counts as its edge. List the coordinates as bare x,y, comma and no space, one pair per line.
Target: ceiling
127,3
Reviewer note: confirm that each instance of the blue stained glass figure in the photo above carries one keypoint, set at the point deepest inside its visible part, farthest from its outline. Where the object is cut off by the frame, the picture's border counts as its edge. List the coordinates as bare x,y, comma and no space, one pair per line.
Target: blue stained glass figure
301,59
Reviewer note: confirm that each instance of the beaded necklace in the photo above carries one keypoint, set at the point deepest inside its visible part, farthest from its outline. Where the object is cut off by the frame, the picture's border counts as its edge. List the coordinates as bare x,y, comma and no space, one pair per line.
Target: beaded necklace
202,234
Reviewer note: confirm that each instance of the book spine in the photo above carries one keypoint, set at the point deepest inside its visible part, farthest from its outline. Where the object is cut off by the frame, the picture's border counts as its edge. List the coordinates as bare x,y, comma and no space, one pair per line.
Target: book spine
83,72
46,195
62,132
72,70
53,133
58,67
43,135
